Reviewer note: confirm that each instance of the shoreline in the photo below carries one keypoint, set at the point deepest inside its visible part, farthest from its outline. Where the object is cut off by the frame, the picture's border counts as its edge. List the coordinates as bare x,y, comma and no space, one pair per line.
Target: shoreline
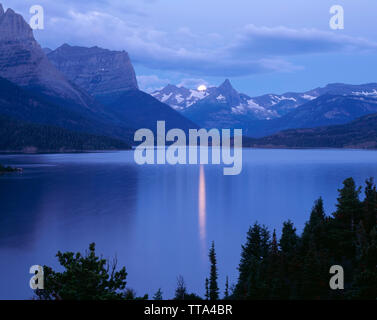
10,152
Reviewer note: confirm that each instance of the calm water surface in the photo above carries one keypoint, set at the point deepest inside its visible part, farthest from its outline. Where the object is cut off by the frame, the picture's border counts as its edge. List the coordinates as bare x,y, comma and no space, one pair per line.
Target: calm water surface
158,220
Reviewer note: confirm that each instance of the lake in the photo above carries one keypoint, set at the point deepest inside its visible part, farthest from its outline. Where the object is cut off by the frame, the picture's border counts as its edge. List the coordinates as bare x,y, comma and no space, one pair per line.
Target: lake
159,221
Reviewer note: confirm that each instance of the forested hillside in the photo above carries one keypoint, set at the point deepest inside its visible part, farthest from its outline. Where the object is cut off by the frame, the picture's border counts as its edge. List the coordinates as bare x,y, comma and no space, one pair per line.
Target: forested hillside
25,137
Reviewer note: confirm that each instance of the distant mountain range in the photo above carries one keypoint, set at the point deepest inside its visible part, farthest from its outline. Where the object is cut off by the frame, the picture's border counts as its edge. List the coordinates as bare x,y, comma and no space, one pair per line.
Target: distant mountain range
224,107
262,107
326,110
180,98
360,134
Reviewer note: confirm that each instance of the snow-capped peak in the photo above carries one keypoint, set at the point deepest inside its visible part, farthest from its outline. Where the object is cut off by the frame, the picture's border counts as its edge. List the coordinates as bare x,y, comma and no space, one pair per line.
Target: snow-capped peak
180,98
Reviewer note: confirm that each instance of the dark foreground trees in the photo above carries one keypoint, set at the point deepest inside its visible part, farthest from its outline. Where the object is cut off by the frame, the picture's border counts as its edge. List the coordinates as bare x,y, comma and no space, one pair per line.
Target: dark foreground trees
298,267
86,277
292,267
213,286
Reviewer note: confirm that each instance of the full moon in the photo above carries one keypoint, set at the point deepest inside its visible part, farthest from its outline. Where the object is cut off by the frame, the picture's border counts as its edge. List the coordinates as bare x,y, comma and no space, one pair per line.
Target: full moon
202,88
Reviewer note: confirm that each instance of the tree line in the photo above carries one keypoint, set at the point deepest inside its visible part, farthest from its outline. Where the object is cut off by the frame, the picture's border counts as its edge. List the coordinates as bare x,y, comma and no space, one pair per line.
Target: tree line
291,267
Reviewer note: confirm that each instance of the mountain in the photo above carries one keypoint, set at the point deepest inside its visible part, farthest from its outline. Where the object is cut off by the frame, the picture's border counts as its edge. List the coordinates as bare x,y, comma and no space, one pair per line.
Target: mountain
98,71
32,89
109,76
191,101
361,134
180,98
285,103
224,107
326,110
23,62
47,50
24,105
19,136
278,105
329,109
143,111
369,90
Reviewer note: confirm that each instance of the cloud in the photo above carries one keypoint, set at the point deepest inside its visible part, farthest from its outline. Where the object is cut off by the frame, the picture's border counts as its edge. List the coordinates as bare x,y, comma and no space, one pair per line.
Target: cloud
193,83
59,8
157,49
282,41
251,50
150,83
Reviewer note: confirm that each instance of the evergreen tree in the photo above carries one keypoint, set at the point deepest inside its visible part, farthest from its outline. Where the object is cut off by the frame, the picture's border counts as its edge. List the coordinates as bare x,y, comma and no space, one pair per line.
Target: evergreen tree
317,215
348,207
158,295
344,225
273,270
226,292
316,254
293,268
290,260
207,289
192,296
314,276
365,281
130,294
314,229
85,277
370,205
181,290
289,240
251,283
274,245
213,287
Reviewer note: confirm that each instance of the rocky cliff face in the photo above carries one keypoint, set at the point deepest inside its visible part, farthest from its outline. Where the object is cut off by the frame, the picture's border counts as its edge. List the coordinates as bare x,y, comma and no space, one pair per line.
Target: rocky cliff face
23,62
98,71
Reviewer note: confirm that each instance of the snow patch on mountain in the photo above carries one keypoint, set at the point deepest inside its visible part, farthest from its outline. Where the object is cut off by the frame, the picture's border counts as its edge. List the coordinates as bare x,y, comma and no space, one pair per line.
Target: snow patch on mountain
196,94
308,97
166,97
282,98
221,98
179,98
365,93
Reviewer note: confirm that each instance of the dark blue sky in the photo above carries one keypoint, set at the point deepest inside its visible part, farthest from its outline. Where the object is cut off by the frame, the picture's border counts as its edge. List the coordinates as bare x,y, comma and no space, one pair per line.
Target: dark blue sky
262,46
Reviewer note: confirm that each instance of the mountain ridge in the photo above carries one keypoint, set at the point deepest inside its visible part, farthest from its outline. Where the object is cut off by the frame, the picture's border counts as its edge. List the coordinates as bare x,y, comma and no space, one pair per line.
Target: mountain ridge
287,101
268,114
25,105
98,71
358,134
20,136
29,67
225,107
327,109
34,90
121,99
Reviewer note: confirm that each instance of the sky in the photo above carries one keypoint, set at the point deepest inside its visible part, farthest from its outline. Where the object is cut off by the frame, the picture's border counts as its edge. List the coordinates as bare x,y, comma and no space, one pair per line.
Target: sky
268,46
